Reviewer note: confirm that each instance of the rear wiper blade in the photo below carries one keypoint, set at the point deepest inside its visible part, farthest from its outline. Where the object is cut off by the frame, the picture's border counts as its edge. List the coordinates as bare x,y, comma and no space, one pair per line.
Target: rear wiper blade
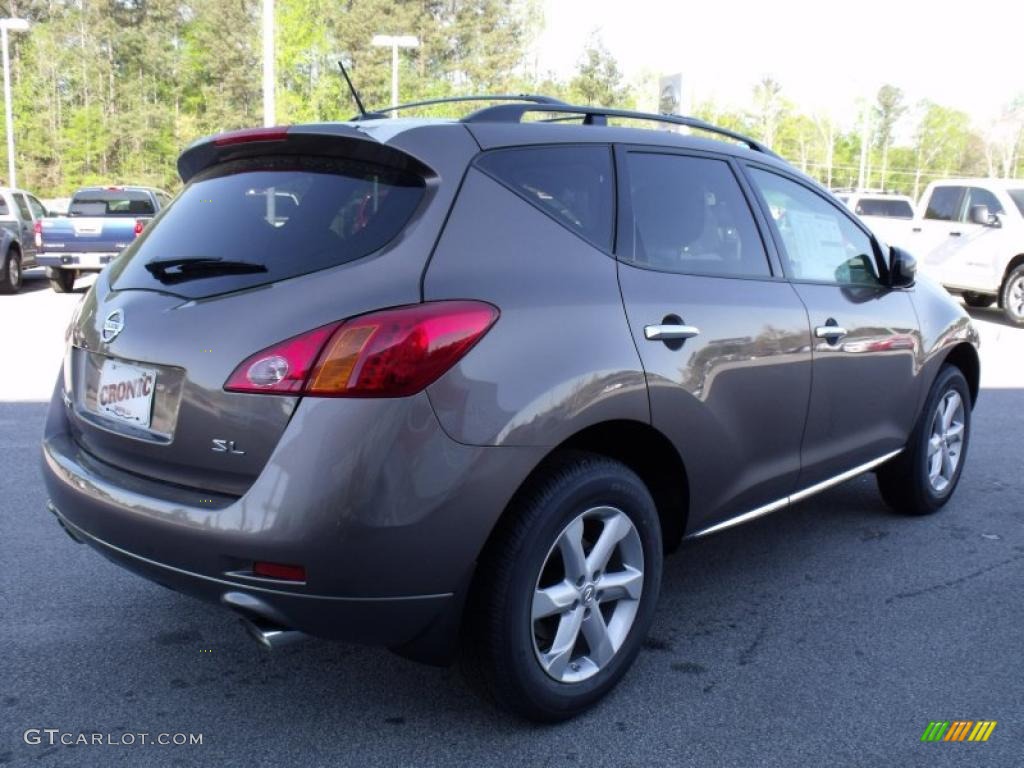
171,271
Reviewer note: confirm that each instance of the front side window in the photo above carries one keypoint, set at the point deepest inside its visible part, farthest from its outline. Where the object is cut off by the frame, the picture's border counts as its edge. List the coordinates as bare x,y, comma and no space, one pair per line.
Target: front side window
820,242
979,196
944,204
690,216
1017,195
572,184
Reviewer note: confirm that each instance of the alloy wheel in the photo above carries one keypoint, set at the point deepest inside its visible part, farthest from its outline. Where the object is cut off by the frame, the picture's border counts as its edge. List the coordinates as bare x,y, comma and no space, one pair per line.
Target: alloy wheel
946,441
587,594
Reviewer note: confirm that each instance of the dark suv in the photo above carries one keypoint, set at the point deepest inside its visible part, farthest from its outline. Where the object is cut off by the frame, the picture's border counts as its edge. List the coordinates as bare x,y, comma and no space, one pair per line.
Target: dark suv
451,385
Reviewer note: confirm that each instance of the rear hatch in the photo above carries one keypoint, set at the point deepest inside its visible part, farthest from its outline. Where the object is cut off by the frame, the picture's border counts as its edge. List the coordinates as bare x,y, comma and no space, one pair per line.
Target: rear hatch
98,221
268,240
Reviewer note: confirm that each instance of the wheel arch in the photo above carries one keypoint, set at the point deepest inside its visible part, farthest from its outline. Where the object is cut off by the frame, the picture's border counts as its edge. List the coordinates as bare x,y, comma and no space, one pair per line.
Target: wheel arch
1015,262
965,357
643,449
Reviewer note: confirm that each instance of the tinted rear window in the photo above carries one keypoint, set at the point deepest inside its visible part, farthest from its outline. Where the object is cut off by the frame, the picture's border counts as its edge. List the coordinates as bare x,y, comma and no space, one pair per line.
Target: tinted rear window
571,184
109,202
288,215
896,209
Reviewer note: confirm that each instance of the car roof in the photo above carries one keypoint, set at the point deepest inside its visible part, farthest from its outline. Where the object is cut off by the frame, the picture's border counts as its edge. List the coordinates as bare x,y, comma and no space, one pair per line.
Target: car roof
986,182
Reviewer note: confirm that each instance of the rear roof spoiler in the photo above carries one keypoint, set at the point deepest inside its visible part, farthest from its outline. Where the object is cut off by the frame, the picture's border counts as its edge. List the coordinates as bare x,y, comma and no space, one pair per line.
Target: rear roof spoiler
324,140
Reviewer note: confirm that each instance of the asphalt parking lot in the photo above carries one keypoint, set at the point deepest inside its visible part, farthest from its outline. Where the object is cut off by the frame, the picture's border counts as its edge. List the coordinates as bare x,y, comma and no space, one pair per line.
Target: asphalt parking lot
830,633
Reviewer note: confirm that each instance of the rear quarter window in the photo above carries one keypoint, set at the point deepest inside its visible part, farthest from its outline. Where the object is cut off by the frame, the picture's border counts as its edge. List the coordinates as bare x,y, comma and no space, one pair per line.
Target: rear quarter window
571,184
286,215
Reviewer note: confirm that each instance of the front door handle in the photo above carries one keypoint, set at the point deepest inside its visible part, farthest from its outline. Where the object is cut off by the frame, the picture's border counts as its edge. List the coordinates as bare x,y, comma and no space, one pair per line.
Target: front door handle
832,333
670,332
955,234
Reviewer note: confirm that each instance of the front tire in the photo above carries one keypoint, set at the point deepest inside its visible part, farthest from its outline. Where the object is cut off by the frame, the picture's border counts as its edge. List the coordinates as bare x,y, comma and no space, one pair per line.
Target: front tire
62,280
1011,297
922,479
10,272
566,591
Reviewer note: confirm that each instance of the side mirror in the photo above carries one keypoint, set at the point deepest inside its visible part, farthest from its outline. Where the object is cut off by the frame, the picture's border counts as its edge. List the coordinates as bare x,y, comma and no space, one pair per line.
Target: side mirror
980,215
902,268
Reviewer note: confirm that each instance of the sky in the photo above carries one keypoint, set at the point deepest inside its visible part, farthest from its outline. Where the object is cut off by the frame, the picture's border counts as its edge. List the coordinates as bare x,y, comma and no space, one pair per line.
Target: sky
826,55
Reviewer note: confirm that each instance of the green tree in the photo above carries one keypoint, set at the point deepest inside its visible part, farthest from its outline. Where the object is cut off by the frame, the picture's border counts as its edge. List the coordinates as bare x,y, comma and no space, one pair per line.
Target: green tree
888,109
598,79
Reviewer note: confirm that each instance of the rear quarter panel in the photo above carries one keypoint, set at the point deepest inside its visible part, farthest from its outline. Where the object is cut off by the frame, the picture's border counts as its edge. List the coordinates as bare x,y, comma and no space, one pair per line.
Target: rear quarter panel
560,358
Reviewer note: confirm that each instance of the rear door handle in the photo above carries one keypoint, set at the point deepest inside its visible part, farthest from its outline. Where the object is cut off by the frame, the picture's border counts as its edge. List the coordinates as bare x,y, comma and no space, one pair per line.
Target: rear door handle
916,229
954,234
670,332
831,332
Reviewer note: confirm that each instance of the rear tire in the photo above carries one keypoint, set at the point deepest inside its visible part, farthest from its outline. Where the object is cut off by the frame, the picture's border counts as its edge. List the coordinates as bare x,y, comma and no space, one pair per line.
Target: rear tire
547,636
62,280
10,272
923,478
978,300
1011,297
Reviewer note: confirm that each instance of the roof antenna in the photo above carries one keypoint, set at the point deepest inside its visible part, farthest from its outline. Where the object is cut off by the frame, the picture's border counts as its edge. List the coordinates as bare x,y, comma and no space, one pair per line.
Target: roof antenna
352,88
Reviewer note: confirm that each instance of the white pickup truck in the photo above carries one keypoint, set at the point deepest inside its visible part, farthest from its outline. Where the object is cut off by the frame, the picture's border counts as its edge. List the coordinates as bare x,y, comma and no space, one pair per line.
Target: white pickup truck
969,235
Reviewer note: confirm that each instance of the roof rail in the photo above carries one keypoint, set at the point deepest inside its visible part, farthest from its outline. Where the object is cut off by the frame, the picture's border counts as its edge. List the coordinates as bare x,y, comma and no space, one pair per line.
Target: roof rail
513,113
383,113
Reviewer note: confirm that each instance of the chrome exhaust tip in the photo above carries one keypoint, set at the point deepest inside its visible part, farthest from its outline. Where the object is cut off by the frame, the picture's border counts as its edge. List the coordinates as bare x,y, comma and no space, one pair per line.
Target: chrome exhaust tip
271,636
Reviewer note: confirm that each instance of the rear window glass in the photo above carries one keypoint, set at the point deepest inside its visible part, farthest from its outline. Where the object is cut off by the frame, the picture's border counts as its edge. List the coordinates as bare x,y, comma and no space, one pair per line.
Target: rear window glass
111,203
571,184
259,220
896,209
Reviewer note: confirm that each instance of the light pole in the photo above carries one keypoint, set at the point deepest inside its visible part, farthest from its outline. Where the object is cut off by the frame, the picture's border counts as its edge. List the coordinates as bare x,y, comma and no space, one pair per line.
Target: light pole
395,42
268,63
14,25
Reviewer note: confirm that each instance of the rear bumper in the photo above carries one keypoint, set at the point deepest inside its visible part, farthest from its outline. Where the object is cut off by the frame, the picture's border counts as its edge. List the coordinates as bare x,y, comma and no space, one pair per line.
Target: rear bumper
83,261
388,531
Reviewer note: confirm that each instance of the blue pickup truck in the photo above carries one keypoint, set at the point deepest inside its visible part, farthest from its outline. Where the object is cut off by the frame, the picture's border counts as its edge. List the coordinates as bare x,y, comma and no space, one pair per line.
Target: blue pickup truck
101,222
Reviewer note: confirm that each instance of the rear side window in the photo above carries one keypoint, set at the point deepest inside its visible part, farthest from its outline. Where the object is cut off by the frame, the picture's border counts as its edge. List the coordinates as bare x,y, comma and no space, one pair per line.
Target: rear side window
944,204
22,203
690,216
895,209
111,202
258,220
572,184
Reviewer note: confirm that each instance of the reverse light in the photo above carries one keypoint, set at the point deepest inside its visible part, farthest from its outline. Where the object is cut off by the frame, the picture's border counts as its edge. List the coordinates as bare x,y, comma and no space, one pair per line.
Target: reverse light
279,571
38,229
394,353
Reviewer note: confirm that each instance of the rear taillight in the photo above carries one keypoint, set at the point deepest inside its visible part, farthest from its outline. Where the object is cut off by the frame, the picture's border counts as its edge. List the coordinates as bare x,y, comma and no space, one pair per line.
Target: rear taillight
393,353
38,229
139,226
